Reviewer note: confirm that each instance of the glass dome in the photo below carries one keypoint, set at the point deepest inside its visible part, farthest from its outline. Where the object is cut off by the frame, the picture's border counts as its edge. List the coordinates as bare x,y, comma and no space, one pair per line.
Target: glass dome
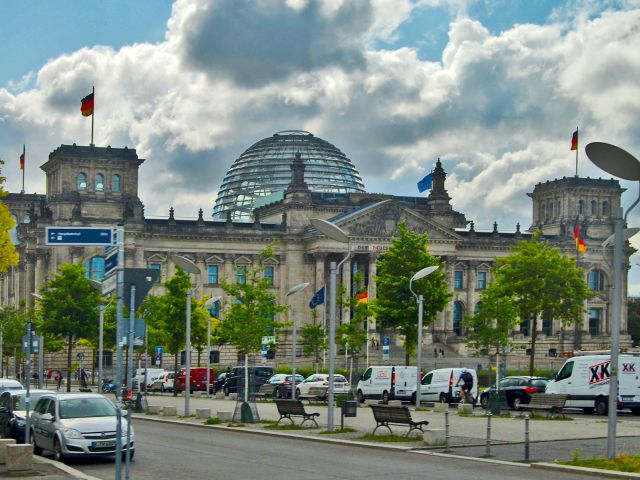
262,173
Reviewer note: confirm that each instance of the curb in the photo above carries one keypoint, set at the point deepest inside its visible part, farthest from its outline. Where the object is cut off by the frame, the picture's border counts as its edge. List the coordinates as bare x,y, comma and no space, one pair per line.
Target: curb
586,470
66,468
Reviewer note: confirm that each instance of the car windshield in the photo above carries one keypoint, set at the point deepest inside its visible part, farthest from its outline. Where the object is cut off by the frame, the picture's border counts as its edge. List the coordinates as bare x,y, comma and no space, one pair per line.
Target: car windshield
339,379
539,382
86,407
18,401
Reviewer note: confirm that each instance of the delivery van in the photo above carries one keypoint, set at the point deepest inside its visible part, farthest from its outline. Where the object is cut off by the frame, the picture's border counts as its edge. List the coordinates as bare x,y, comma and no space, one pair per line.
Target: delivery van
441,385
197,379
585,379
153,375
387,383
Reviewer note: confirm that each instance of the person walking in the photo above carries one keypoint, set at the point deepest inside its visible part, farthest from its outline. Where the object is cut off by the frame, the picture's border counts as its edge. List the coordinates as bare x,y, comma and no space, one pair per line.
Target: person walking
58,380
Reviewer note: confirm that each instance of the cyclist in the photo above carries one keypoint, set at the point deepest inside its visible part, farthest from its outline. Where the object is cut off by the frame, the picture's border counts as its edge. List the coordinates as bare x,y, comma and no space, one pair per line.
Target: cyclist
467,385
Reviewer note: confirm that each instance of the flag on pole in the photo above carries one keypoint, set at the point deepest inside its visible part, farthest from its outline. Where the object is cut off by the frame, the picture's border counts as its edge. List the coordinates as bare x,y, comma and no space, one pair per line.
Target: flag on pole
574,141
362,297
22,158
425,183
318,299
581,246
86,106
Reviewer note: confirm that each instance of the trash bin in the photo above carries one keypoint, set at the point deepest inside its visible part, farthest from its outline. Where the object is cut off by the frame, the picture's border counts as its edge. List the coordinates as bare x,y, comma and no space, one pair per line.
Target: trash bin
348,408
495,403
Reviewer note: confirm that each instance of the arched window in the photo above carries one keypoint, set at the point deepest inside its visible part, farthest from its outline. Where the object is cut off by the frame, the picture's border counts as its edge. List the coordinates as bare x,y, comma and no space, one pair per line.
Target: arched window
81,181
115,183
605,208
594,207
458,313
581,207
26,218
99,182
596,280
95,268
551,209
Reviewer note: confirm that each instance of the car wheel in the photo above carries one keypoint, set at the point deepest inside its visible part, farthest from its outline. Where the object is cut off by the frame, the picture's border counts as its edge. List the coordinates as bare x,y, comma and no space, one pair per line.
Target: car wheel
360,396
588,410
276,393
484,401
58,456
443,398
385,397
517,403
601,406
36,449
297,393
635,411
413,398
226,391
131,454
162,389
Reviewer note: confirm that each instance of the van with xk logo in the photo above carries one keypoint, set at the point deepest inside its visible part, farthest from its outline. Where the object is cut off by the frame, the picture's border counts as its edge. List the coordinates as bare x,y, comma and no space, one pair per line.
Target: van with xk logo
585,378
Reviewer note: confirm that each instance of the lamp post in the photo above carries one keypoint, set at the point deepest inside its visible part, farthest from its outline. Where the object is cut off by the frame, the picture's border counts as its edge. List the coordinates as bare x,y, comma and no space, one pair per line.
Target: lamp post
208,304
620,163
334,233
189,267
101,308
1,345
421,274
293,291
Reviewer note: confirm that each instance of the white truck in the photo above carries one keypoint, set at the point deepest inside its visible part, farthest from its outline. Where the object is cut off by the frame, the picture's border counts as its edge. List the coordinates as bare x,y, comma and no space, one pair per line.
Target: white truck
585,379
387,382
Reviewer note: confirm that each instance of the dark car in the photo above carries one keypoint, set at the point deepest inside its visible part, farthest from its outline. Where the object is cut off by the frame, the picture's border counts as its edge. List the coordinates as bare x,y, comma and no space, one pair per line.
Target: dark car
516,390
258,376
13,412
282,384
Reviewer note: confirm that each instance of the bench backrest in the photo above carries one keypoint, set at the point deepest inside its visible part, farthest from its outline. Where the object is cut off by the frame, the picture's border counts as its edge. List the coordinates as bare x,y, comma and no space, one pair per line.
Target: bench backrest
549,399
389,413
290,407
267,388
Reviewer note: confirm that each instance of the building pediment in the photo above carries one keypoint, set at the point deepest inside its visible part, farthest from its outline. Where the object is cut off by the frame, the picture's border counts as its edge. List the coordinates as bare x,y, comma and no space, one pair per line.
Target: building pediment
381,220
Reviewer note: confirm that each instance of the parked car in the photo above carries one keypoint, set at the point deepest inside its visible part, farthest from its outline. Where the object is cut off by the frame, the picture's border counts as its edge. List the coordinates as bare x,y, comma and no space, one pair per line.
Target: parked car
153,375
13,412
168,382
340,384
76,425
282,384
219,383
9,384
258,376
387,382
517,390
442,385
197,379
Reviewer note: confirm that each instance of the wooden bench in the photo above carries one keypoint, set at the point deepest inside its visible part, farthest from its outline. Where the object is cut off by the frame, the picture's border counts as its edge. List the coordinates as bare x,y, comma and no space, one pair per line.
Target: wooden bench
391,414
294,408
267,390
549,402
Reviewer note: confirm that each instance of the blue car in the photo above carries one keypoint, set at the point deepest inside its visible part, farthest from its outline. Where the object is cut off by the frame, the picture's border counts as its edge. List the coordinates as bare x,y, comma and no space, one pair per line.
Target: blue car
13,412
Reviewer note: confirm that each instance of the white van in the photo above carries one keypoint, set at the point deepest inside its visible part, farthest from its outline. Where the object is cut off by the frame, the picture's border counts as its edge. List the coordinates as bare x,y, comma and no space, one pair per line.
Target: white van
441,385
387,382
586,380
153,375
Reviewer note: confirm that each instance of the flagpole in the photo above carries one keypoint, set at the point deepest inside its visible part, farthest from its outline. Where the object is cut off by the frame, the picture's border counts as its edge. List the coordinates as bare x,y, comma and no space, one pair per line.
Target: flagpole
324,329
577,140
93,114
24,161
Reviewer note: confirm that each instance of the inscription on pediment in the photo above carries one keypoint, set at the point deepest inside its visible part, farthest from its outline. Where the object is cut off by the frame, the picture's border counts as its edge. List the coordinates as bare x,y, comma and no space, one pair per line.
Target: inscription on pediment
384,223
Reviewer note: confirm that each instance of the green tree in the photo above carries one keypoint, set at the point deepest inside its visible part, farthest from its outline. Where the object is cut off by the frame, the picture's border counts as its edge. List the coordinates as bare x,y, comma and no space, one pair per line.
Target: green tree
395,306
8,254
69,307
252,315
633,319
540,280
13,324
199,318
314,340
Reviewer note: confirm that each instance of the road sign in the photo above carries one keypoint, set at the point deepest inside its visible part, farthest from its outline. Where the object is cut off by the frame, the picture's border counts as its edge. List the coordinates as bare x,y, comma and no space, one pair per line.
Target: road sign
79,236
138,332
109,284
34,344
143,279
110,263
159,350
385,341
80,356
385,352
269,340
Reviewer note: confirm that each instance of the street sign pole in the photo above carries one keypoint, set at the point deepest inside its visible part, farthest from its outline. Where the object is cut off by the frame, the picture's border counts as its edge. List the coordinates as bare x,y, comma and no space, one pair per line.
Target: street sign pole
27,426
119,342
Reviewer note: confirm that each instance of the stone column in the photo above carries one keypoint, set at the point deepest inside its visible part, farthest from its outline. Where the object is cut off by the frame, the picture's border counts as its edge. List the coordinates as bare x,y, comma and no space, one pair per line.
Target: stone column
30,273
346,281
40,271
372,287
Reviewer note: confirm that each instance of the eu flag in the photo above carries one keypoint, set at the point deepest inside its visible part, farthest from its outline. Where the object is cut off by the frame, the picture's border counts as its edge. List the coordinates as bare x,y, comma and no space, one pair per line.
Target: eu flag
425,183
318,299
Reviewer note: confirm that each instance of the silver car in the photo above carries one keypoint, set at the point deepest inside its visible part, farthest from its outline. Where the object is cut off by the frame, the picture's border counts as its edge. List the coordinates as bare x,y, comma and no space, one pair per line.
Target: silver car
74,424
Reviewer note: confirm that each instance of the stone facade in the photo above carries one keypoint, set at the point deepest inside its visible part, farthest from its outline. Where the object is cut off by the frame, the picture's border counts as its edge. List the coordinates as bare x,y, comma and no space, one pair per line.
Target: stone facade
96,186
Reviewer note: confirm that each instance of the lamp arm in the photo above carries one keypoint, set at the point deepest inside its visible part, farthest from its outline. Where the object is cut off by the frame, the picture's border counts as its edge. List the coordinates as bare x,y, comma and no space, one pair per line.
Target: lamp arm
633,205
346,257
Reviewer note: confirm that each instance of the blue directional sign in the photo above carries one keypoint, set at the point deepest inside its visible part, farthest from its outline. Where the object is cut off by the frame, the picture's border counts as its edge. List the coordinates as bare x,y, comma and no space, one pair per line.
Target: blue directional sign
79,236
385,341
110,263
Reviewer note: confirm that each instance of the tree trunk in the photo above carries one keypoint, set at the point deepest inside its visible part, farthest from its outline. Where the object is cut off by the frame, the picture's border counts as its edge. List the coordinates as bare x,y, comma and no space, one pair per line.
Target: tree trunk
175,377
69,348
199,354
532,359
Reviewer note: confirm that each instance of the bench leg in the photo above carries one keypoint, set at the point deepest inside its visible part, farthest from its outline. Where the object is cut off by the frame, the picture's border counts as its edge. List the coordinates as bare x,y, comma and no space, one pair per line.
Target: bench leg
414,427
382,425
311,419
287,417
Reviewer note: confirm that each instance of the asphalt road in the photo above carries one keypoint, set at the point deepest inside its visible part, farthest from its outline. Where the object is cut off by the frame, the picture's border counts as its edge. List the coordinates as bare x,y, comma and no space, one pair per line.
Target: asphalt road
177,451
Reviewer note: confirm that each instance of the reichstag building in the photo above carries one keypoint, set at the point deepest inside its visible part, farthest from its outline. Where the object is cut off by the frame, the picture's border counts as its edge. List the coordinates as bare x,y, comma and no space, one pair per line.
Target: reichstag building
270,193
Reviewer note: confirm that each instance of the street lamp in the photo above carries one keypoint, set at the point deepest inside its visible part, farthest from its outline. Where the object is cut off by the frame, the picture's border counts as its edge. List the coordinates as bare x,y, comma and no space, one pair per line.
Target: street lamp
334,233
421,274
293,291
208,304
101,308
620,163
189,267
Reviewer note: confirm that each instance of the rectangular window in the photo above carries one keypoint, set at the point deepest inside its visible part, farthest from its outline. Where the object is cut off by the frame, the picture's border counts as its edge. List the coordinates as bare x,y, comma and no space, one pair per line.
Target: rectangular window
481,281
241,274
212,272
457,279
157,266
594,321
547,326
268,275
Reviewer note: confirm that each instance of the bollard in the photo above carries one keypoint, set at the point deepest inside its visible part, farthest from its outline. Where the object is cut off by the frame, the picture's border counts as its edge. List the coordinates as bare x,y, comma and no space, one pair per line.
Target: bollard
446,431
526,437
488,450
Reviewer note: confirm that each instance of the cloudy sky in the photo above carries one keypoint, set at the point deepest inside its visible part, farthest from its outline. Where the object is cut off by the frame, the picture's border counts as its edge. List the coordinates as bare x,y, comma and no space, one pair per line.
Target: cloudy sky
495,88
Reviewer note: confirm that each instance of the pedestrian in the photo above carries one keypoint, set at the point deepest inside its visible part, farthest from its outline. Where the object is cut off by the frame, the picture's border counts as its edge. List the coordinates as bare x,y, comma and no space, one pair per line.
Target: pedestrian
83,378
435,352
58,379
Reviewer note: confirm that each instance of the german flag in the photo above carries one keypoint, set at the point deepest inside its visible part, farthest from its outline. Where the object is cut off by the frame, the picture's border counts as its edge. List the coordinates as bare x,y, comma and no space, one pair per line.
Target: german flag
362,297
86,106
574,141
22,158
581,246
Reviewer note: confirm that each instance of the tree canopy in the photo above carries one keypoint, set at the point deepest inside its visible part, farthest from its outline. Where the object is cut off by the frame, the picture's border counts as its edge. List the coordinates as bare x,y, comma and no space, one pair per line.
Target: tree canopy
395,306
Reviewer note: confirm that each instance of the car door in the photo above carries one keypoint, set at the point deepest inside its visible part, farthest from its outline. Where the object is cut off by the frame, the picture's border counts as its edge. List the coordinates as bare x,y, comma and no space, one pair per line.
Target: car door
365,383
427,392
38,432
5,414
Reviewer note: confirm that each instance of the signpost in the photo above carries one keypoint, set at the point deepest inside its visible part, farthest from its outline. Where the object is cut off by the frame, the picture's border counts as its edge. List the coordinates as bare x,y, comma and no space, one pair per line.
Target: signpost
385,349
79,236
